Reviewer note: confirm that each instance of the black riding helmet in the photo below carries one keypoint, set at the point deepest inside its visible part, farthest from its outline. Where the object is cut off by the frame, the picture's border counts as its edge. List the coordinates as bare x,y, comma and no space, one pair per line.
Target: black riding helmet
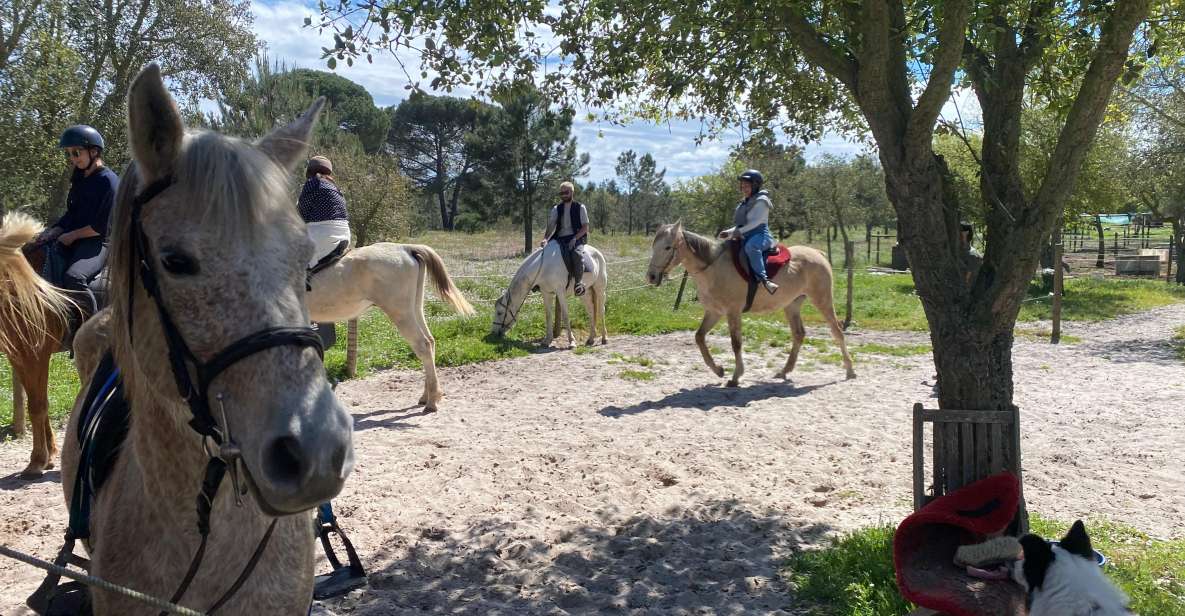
81,136
753,177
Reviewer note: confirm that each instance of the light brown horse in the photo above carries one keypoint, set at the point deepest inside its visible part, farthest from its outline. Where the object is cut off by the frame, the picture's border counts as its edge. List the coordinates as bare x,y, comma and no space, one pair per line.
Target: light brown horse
33,317
229,253
722,291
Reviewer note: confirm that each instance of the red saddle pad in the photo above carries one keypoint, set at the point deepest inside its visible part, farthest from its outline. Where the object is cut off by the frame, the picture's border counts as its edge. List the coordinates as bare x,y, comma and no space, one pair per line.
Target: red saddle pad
773,262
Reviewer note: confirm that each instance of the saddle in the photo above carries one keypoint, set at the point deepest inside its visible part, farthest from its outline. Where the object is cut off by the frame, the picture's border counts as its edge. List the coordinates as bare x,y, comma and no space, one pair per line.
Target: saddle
328,260
774,261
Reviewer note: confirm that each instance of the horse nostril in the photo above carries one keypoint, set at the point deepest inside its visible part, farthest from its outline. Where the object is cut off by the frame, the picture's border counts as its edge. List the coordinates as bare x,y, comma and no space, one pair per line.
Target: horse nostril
284,461
338,461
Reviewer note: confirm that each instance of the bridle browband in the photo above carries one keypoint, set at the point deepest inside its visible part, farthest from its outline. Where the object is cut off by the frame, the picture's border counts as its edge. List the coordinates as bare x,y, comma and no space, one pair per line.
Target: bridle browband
194,387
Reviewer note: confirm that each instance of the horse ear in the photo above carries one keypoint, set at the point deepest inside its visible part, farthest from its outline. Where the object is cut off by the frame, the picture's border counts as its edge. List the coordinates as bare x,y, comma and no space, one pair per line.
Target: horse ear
287,145
155,131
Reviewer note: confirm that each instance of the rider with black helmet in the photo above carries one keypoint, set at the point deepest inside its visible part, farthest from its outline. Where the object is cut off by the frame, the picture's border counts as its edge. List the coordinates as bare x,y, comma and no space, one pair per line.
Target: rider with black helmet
81,232
751,220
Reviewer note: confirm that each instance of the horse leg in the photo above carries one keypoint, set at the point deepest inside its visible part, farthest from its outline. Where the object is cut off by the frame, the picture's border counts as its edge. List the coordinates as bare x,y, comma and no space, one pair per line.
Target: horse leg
548,335
18,405
734,333
34,373
705,326
558,325
590,308
563,322
415,330
601,297
794,317
823,303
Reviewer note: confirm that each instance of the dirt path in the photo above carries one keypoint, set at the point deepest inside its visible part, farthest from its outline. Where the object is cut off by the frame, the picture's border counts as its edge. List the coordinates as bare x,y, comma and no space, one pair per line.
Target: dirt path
553,484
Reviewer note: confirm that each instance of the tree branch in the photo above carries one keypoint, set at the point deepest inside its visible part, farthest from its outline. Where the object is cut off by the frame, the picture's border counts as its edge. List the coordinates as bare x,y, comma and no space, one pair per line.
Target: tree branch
1153,107
951,39
1090,105
818,51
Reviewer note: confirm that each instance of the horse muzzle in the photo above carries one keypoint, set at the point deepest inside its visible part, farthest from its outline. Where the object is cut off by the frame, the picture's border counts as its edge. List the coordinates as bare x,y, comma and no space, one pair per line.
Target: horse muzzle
302,464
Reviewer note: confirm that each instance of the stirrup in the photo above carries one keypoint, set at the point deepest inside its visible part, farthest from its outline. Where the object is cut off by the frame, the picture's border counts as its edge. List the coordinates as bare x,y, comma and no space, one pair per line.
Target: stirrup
343,578
769,283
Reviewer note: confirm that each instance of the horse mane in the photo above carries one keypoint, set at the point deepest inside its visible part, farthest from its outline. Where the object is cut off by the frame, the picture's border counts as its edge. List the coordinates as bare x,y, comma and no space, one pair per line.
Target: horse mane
704,249
236,185
29,305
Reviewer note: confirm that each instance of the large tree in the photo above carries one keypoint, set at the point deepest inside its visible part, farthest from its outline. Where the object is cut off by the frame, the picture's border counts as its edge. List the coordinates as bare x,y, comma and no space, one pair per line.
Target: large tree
888,66
529,148
433,138
643,185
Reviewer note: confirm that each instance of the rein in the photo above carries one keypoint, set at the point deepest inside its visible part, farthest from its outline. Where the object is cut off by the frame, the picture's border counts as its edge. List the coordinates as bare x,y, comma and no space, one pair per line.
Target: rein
193,378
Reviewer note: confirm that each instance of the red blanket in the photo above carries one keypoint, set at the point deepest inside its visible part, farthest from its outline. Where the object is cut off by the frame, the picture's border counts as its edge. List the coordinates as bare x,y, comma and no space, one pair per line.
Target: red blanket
925,543
773,263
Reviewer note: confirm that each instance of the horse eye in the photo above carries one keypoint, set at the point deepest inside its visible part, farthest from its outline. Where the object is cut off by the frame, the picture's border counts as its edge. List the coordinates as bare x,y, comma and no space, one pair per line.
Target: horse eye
178,263
667,248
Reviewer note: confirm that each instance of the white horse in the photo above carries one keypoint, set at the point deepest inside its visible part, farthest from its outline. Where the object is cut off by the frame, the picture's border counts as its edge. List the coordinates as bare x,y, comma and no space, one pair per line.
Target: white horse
390,276
545,270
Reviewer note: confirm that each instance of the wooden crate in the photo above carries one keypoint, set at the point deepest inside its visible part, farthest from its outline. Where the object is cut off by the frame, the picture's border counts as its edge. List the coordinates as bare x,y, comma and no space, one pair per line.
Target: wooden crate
968,446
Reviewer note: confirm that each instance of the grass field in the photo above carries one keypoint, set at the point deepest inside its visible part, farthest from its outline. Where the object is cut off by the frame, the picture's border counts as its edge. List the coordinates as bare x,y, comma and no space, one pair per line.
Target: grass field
483,263
854,576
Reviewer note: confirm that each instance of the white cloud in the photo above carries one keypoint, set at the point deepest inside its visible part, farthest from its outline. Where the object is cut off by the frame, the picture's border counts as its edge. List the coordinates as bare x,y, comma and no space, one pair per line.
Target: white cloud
280,25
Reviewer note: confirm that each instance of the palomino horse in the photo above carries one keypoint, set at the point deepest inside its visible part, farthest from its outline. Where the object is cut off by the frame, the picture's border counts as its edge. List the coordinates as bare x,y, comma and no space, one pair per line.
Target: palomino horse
545,269
722,291
33,317
208,279
390,276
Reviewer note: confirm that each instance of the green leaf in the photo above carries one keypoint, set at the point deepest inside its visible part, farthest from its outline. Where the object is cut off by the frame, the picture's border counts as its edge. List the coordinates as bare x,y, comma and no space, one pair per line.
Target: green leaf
332,63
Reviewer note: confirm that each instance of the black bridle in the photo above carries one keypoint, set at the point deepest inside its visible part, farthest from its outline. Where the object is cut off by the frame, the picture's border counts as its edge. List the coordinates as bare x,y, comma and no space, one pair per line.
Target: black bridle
193,378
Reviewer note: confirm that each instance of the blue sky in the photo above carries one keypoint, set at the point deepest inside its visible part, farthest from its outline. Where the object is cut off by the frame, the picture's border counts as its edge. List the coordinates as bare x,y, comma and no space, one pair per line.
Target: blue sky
280,24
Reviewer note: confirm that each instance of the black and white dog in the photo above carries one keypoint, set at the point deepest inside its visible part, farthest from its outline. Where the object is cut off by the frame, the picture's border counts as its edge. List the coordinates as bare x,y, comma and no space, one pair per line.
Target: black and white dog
1065,579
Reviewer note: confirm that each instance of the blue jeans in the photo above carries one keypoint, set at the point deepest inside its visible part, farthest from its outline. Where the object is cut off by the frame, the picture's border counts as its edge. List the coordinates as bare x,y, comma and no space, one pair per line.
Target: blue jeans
755,247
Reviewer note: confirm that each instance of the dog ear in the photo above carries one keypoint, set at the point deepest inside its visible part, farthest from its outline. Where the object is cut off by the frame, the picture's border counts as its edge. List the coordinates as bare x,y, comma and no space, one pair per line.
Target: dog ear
1038,557
1077,542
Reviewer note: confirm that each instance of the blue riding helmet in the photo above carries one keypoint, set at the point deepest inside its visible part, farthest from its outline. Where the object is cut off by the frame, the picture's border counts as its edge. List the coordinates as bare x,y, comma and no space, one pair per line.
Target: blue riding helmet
753,177
81,136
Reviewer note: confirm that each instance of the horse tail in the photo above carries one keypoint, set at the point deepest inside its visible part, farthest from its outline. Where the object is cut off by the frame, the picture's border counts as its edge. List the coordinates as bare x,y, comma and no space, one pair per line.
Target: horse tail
29,306
444,285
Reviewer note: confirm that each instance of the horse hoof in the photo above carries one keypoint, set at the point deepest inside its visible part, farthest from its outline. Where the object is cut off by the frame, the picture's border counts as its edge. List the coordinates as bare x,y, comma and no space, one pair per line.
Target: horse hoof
718,371
604,341
33,471
851,374
781,375
732,383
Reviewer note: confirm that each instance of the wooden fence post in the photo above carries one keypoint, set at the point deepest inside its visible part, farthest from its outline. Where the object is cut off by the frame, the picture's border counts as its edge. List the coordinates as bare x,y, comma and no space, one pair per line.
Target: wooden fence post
352,348
679,296
849,249
1056,336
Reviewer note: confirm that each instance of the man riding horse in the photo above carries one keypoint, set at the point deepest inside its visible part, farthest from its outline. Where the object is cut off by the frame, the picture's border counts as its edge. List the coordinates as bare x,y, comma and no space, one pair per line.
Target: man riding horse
568,226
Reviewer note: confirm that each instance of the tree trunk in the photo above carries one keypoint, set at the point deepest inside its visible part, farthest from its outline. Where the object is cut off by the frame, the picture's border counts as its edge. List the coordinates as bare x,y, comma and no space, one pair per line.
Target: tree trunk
1098,226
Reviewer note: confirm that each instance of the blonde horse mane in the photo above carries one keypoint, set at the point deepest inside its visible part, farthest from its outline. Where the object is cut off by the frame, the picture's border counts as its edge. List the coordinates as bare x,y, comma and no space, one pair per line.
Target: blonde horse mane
30,307
703,248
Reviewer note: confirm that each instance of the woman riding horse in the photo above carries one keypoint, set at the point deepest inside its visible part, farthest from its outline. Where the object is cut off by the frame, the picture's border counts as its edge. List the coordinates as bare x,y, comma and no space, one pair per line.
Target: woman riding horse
751,221
81,233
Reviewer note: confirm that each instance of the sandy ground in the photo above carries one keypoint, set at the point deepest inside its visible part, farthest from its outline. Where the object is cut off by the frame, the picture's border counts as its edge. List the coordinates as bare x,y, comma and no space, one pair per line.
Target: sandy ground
551,484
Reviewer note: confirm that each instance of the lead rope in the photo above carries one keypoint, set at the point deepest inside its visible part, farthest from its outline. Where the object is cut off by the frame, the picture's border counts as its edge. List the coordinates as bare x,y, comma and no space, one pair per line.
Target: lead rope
90,580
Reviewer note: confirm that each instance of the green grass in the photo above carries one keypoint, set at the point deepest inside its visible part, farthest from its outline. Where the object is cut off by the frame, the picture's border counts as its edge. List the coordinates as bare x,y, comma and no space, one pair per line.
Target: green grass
637,375
899,350
63,386
881,302
853,576
645,362
1179,342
